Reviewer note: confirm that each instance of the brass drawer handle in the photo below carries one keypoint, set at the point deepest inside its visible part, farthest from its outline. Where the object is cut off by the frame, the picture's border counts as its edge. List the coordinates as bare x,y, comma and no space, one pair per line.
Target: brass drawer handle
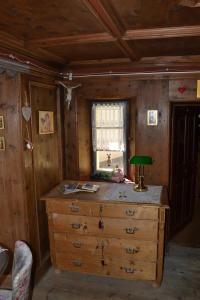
77,244
130,212
76,226
74,208
129,270
131,230
131,250
77,263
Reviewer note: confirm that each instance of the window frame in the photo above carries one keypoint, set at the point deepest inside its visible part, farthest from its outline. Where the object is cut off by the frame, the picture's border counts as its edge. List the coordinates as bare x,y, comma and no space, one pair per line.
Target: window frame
125,153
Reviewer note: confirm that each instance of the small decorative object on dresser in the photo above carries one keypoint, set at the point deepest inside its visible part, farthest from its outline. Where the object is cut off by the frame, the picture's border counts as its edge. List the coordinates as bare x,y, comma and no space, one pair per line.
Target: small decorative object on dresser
141,161
114,232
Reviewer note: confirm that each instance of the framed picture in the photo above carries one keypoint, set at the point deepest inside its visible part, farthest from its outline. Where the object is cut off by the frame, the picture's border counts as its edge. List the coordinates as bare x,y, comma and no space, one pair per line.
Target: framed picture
152,117
46,122
1,122
198,88
2,143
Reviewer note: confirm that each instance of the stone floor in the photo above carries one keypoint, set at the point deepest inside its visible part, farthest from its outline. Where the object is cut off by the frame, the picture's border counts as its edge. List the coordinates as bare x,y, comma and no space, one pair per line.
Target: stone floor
181,282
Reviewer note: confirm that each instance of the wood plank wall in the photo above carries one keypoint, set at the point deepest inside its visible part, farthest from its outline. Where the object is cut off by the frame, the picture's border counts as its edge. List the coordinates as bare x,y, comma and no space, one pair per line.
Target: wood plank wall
26,175
145,140
13,216
43,168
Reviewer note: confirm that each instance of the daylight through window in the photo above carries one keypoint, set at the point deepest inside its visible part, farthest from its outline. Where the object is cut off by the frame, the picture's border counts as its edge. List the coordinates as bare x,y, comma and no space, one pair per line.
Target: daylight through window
109,135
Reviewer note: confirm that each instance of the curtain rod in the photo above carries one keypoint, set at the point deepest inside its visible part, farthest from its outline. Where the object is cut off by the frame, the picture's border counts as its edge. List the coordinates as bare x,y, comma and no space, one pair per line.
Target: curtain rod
71,76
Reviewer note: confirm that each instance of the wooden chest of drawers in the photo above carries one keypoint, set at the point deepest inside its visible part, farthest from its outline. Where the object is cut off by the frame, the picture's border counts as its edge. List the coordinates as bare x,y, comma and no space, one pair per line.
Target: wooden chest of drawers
91,234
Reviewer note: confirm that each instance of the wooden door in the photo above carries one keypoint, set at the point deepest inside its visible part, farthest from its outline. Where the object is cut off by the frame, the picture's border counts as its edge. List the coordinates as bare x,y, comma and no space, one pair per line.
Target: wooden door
184,149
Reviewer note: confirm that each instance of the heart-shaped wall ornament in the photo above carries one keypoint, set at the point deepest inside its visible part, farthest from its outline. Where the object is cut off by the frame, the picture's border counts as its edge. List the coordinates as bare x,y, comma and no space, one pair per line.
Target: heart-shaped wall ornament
26,112
182,89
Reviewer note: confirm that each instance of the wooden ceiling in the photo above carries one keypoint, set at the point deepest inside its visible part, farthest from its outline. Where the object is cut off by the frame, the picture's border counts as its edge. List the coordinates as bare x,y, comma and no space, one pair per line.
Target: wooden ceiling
70,34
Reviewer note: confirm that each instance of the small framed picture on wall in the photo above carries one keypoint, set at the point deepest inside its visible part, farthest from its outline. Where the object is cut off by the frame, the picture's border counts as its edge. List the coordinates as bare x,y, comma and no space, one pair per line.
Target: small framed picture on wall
2,122
46,122
152,117
2,143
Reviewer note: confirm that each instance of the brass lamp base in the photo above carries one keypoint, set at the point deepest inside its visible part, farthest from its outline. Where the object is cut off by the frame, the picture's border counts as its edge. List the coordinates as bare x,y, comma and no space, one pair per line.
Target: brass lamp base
137,188
140,187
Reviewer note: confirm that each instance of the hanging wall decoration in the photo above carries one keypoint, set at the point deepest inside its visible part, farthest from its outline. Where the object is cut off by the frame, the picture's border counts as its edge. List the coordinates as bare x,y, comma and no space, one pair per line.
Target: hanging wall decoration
152,117
2,126
26,113
68,91
46,122
198,88
2,143
181,89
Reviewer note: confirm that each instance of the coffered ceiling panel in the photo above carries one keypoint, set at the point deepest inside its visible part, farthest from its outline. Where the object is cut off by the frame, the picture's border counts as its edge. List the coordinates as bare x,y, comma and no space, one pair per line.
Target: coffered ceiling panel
154,13
167,47
99,31
88,51
34,19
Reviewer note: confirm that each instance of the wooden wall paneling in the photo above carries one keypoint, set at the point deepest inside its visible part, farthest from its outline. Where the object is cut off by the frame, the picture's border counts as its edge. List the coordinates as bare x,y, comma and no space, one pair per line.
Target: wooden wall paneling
29,176
154,140
84,138
131,136
77,124
45,155
60,128
13,208
71,141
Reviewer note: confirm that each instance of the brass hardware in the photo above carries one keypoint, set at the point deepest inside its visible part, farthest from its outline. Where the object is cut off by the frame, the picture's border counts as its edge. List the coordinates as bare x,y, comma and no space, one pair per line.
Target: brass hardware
129,270
132,250
130,212
77,263
77,244
74,208
76,226
131,230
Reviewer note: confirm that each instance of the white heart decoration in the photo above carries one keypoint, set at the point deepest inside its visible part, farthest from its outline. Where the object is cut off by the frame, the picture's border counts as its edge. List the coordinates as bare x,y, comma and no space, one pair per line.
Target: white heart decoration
26,112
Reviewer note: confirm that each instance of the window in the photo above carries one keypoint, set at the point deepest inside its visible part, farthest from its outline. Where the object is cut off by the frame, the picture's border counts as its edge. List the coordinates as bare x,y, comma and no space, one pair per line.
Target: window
109,136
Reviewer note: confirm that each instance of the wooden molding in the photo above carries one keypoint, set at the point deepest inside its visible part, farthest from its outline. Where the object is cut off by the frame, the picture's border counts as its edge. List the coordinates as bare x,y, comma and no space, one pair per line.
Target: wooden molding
99,62
98,10
162,33
73,39
11,43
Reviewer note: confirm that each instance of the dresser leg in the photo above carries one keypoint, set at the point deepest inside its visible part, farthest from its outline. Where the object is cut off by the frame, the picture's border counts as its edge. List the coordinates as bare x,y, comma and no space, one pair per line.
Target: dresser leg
160,259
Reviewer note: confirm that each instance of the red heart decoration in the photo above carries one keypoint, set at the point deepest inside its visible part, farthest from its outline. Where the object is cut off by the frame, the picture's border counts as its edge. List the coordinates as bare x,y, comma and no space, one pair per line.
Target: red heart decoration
181,89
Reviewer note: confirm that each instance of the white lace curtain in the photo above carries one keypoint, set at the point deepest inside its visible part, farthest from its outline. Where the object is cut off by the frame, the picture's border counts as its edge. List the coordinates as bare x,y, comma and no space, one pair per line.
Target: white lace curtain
109,126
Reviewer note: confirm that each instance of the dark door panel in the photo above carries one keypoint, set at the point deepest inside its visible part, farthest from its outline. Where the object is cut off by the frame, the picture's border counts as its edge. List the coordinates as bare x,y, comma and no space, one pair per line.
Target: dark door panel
184,150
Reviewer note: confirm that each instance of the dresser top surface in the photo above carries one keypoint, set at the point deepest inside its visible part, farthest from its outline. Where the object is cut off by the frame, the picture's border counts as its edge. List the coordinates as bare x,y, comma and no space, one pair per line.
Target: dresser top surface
112,192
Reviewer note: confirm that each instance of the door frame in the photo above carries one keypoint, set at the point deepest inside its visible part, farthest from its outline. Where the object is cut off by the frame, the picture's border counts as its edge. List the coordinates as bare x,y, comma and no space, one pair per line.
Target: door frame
171,105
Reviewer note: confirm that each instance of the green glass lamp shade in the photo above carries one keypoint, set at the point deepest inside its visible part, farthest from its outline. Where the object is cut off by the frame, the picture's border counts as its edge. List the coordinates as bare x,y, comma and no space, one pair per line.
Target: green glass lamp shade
141,160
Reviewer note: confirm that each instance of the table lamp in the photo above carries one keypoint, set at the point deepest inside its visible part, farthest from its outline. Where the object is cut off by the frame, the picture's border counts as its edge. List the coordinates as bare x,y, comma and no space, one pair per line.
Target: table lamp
141,161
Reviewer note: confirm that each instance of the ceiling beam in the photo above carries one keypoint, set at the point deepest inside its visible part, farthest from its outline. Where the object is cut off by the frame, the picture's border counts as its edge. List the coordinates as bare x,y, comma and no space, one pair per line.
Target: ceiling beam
162,33
108,20
72,39
13,44
99,61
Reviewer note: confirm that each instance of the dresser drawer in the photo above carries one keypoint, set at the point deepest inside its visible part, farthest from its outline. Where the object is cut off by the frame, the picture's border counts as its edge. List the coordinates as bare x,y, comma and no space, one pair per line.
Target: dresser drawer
126,228
117,210
89,245
126,269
